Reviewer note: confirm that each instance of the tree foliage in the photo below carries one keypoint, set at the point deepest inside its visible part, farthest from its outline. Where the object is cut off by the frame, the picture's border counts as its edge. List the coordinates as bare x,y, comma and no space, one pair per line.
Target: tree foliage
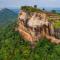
53,11
30,8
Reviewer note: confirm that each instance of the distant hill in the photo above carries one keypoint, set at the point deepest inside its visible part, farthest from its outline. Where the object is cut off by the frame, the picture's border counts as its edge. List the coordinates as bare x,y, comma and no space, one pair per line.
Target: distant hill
57,10
16,10
7,16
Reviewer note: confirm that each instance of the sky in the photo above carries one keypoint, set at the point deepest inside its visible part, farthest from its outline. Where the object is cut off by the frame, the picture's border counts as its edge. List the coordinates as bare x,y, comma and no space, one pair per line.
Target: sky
39,3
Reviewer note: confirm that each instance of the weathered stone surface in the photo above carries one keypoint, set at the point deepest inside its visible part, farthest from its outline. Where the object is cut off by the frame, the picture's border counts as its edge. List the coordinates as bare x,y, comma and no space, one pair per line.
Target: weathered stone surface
57,33
34,26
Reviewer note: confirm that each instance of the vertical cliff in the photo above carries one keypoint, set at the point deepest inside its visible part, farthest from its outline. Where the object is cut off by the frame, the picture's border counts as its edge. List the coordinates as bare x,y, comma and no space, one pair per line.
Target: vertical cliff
35,25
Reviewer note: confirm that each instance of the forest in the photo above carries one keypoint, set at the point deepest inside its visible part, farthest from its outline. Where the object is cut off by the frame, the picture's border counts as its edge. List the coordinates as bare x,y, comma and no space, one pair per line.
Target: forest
14,47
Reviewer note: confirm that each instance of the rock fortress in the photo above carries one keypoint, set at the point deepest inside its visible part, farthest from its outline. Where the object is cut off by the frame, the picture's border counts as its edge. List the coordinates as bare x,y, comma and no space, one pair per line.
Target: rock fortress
35,25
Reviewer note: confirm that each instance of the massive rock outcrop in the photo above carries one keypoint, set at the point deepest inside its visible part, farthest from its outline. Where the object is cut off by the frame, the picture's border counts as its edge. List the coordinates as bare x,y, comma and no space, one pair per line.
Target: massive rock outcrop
35,25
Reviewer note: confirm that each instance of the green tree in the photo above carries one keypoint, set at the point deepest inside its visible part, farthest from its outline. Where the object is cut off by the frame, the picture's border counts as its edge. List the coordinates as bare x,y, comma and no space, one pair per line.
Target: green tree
35,6
53,11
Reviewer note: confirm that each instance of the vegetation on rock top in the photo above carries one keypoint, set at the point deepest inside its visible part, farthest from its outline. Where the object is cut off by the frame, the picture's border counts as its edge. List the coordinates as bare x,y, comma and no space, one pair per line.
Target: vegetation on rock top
30,9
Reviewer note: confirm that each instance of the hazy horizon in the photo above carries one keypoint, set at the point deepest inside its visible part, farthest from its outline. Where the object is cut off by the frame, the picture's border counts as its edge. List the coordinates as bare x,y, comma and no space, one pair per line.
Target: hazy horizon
39,3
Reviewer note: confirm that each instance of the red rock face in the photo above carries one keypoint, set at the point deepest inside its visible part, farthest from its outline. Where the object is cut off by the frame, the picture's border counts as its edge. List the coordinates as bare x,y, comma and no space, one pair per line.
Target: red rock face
35,26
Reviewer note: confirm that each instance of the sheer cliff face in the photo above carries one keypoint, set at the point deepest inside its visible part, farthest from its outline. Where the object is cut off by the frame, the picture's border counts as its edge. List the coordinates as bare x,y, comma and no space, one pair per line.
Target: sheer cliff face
33,26
22,16
37,20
